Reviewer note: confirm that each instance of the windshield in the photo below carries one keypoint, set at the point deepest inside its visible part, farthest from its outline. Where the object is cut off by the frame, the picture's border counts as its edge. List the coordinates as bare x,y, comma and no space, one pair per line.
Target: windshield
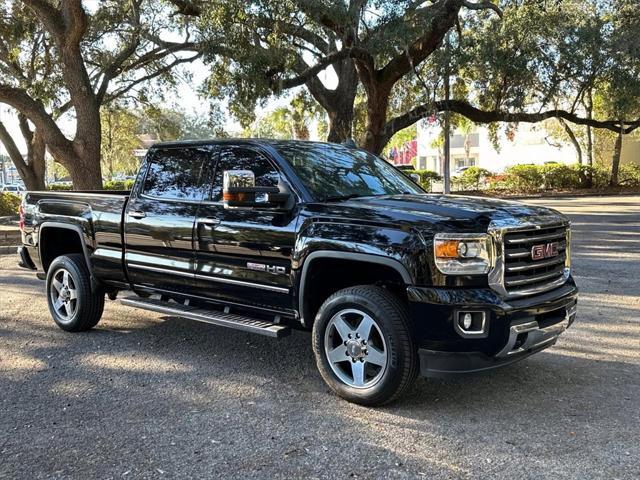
335,172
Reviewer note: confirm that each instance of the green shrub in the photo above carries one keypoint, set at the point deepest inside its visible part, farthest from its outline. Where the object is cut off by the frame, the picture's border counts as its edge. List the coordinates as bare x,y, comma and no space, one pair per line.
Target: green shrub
629,175
600,174
524,178
118,185
560,177
426,177
9,204
60,187
471,178
108,185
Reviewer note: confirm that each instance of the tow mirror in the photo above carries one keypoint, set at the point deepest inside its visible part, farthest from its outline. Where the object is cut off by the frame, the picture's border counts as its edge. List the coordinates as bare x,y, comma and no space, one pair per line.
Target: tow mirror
239,191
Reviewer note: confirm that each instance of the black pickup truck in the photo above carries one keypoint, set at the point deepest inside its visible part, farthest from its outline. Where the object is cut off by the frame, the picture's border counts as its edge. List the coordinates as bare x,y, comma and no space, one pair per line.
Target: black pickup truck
266,236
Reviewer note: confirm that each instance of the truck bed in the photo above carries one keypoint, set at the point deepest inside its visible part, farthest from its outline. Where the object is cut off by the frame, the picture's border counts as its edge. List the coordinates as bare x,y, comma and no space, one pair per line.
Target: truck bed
97,215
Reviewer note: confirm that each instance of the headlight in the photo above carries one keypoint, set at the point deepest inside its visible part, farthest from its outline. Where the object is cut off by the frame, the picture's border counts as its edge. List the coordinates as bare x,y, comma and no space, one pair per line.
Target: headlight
462,253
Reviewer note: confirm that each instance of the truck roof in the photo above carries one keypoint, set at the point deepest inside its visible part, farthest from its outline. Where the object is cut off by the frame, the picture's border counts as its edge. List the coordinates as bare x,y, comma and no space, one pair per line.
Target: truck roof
240,141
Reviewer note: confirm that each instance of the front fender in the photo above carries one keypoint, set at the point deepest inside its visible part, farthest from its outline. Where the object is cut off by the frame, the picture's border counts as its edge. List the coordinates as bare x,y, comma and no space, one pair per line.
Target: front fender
404,249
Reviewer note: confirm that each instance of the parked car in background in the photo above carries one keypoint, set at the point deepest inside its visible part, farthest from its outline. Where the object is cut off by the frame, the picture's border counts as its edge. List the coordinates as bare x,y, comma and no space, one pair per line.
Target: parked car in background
13,188
459,171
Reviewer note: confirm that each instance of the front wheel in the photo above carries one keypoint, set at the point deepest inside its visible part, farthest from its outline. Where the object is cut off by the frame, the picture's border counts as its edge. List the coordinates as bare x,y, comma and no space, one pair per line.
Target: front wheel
363,345
73,305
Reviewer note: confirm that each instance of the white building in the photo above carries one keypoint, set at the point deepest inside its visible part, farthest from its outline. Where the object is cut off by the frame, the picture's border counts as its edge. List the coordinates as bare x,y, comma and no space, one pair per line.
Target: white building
531,144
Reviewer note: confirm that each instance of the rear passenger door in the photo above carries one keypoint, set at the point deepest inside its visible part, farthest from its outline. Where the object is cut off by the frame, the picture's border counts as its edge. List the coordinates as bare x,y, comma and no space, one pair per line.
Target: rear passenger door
160,217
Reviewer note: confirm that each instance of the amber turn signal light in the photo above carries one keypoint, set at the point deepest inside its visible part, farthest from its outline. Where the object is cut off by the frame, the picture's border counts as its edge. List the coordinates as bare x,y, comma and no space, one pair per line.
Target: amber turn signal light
447,248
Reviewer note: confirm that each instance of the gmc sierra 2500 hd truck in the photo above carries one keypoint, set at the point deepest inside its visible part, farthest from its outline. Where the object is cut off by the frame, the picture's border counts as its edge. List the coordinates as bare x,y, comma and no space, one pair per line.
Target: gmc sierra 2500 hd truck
266,236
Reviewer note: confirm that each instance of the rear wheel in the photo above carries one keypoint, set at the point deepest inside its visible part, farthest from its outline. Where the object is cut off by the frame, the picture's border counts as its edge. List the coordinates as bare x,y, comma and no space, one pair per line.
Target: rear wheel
363,345
73,305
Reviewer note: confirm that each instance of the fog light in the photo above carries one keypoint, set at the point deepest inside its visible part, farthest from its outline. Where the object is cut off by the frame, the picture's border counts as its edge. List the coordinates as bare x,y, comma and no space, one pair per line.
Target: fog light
466,321
471,324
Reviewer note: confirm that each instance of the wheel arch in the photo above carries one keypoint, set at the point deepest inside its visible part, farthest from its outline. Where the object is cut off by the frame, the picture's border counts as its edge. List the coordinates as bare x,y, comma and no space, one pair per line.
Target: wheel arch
65,230
377,268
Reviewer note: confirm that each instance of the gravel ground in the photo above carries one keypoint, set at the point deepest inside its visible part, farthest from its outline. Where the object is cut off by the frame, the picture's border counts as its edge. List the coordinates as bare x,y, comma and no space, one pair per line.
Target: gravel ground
145,396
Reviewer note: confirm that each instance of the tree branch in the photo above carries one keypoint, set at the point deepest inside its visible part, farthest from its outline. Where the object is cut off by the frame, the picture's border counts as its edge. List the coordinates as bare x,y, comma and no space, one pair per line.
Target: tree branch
12,149
111,70
75,20
187,8
49,16
489,116
482,5
323,63
18,98
119,93
442,18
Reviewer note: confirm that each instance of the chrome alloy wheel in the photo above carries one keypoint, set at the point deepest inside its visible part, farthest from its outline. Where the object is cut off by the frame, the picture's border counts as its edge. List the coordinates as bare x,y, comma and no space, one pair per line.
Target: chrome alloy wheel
355,348
64,295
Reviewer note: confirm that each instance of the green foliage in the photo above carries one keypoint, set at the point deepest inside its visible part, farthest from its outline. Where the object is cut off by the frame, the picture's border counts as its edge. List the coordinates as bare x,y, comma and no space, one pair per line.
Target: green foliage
9,204
290,122
167,124
522,179
427,177
403,136
119,140
471,178
526,178
560,177
630,175
599,174
113,185
119,185
60,187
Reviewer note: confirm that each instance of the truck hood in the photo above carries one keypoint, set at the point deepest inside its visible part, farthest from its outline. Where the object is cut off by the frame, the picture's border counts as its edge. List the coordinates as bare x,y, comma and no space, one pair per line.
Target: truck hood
459,212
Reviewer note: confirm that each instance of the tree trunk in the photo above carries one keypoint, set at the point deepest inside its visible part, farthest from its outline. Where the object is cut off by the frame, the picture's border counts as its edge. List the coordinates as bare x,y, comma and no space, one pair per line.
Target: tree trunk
35,177
338,103
84,171
589,109
31,170
376,136
574,140
615,162
340,122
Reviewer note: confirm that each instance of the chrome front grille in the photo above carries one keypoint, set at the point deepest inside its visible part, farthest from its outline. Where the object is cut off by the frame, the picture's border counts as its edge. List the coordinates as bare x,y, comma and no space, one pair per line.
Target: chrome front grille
517,273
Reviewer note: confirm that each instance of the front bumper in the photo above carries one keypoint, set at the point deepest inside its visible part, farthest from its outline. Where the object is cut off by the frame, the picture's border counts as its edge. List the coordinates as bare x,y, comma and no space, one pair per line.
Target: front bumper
25,259
515,329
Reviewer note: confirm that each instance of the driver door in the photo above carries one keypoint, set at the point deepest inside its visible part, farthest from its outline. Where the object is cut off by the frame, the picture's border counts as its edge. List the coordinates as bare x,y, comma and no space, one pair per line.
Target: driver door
243,255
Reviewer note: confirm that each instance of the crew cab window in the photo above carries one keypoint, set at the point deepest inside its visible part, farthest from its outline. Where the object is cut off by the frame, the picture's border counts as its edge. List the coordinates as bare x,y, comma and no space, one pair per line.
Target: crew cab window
239,158
176,173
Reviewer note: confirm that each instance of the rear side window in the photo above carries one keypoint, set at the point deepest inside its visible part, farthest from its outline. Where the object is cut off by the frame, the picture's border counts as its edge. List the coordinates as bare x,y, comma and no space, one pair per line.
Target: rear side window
239,158
177,173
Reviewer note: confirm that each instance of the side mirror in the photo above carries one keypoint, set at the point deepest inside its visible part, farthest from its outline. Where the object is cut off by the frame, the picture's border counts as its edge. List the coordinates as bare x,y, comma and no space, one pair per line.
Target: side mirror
415,177
239,191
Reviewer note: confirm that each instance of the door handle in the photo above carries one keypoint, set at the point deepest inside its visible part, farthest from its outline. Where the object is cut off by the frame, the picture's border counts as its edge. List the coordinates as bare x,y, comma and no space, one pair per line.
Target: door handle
137,214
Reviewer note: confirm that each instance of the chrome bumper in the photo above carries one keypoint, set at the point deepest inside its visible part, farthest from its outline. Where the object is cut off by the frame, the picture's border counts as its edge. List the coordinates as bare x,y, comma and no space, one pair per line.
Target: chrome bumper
525,339
529,335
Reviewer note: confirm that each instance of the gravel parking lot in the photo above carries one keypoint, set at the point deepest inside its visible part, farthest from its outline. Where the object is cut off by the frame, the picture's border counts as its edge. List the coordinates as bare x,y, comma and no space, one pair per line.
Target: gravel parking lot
146,396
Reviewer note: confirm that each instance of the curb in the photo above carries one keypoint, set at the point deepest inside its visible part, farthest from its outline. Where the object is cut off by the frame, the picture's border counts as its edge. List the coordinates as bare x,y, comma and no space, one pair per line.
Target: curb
9,250
548,195
571,195
8,220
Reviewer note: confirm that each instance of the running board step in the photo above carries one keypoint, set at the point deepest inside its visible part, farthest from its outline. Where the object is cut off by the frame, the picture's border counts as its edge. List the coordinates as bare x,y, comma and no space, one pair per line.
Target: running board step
213,317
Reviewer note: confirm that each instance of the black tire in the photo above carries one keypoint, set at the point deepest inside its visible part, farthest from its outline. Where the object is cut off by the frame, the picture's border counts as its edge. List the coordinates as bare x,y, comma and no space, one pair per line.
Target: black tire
84,311
393,328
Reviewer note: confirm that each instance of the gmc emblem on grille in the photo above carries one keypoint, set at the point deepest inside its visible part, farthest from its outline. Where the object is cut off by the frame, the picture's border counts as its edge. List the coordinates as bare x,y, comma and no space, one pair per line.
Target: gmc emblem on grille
548,250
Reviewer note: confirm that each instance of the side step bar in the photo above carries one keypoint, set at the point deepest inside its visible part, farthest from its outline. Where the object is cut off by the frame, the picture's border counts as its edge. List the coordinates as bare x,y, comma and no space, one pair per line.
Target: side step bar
213,317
